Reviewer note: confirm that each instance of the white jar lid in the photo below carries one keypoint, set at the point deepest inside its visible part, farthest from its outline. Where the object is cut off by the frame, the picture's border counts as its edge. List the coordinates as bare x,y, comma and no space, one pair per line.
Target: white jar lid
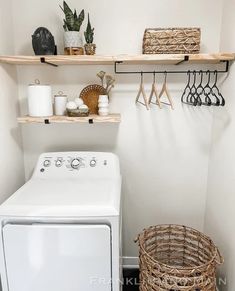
37,83
60,94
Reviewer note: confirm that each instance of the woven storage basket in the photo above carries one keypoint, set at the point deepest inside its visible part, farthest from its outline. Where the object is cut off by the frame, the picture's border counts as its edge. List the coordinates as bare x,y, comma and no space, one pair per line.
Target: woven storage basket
172,41
175,258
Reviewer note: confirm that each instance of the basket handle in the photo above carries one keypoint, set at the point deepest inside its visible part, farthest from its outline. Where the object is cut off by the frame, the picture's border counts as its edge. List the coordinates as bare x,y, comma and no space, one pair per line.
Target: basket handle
219,259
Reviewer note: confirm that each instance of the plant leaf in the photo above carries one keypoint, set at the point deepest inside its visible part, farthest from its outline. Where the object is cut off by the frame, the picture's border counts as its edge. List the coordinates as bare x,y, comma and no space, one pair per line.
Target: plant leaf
68,16
89,33
79,20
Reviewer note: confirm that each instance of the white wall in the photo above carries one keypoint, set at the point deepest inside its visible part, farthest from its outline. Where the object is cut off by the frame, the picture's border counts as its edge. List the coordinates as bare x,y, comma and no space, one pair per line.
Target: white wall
11,154
220,214
164,154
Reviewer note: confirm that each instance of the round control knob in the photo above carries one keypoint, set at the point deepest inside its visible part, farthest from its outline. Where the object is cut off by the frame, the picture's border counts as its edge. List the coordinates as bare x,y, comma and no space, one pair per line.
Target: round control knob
93,163
75,164
58,163
47,163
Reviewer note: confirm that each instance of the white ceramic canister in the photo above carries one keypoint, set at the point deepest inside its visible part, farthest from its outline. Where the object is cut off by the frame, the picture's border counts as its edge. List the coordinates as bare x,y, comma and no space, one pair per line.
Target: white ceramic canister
40,100
60,103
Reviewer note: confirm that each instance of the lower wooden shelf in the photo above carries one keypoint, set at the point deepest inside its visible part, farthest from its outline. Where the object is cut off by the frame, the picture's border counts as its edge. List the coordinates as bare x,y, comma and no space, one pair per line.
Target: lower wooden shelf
111,118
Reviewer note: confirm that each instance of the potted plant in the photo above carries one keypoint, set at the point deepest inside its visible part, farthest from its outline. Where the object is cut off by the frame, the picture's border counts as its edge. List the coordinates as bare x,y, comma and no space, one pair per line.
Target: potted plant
72,23
90,47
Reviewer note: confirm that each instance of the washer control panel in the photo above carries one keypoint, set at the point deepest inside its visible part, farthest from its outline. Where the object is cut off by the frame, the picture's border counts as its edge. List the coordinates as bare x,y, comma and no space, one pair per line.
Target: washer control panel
89,163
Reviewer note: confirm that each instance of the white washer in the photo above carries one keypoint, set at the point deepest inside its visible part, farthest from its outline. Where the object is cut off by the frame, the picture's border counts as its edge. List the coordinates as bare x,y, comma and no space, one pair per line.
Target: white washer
61,230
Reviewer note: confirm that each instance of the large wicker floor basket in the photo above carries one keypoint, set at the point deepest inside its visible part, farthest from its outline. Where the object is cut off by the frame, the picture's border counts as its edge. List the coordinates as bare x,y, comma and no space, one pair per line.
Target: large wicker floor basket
175,258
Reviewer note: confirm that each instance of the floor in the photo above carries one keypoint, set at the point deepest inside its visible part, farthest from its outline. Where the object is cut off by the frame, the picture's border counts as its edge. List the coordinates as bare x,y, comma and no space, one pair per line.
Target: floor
131,279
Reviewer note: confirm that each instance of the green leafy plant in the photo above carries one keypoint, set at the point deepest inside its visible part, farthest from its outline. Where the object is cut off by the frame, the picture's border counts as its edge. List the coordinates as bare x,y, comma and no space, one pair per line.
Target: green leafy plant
89,33
72,21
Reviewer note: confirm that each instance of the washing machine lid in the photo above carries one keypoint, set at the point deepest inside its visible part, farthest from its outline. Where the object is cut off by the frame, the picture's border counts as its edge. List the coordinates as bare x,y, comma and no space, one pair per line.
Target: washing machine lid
70,198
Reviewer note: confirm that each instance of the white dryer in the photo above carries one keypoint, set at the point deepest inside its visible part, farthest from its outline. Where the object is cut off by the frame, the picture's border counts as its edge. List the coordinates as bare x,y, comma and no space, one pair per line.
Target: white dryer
61,230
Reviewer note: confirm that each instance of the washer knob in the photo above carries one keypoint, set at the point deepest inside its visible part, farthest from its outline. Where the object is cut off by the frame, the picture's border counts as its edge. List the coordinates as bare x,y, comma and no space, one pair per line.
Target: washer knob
93,163
47,163
58,163
75,164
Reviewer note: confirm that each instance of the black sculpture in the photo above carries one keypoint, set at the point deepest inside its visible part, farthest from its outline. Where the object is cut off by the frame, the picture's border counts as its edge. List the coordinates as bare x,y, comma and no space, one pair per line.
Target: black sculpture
43,42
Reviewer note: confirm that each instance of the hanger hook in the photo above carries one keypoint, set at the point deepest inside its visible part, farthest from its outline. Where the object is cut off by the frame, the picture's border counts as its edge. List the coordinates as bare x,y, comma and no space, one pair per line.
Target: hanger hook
216,76
165,75
209,77
154,76
201,73
194,75
189,76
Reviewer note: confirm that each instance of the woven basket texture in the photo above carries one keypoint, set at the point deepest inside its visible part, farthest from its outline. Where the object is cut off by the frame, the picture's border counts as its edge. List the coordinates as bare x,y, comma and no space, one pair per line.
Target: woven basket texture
175,258
90,96
172,41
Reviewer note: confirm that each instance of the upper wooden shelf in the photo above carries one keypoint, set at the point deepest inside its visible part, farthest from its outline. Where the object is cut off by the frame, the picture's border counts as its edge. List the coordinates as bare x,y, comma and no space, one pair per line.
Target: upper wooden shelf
171,59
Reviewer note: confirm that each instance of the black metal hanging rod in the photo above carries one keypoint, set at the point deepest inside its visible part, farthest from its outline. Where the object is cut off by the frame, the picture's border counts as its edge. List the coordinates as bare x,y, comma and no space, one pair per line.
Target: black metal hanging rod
225,70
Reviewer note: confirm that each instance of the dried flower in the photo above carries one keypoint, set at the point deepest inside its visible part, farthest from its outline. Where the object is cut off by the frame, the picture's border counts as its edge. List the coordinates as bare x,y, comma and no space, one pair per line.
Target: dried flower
109,81
110,88
101,75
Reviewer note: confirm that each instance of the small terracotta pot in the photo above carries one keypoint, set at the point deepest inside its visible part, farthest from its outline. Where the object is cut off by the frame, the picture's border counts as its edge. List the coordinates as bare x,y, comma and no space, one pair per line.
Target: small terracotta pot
90,48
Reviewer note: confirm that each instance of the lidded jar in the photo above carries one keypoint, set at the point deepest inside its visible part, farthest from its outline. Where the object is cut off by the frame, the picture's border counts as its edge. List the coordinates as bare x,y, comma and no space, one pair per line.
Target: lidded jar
40,100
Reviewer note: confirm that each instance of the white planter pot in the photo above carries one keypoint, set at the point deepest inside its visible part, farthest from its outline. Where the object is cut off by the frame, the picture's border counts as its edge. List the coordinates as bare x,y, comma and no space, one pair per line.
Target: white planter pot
73,39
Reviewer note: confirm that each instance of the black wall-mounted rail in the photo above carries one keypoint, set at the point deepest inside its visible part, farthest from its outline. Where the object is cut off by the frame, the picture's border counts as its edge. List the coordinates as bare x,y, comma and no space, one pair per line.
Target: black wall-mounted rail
186,59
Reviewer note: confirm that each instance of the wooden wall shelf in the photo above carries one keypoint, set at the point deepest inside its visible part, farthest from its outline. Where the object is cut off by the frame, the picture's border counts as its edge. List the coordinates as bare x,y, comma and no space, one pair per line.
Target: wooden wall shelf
171,59
111,118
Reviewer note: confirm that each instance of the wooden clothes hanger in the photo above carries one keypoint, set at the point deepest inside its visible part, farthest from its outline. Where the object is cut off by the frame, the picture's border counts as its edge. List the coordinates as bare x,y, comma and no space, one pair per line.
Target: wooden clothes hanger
165,90
142,91
154,92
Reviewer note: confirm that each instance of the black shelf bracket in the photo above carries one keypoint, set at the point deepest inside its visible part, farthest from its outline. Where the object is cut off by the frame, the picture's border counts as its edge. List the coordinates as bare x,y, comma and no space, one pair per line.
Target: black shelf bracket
47,121
43,61
186,59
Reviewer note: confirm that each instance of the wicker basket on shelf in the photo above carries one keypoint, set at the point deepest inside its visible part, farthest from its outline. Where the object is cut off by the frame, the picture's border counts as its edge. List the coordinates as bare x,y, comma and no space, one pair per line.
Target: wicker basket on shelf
177,258
172,41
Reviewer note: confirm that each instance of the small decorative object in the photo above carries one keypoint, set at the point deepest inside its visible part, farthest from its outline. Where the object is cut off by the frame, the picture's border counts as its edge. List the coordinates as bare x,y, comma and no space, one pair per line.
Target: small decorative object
72,37
80,111
103,105
109,80
40,100
60,103
172,41
90,96
90,47
79,102
84,109
71,105
43,42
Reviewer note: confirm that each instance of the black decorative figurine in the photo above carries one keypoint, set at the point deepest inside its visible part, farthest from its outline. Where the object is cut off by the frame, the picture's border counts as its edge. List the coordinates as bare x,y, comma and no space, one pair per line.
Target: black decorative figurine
43,42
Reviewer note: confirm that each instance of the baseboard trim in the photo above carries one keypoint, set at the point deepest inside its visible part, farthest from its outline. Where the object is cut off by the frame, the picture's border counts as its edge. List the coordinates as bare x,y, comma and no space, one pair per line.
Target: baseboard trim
130,262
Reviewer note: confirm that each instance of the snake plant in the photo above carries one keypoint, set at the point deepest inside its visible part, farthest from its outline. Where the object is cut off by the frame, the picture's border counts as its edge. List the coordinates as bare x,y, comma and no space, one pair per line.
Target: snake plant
89,33
72,21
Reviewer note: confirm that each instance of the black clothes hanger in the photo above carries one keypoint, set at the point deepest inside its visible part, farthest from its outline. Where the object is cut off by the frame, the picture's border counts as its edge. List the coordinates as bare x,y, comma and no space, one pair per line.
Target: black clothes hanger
207,90
216,92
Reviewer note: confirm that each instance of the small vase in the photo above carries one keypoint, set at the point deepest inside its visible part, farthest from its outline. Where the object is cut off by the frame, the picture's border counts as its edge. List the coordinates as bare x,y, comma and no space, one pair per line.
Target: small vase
73,39
90,48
